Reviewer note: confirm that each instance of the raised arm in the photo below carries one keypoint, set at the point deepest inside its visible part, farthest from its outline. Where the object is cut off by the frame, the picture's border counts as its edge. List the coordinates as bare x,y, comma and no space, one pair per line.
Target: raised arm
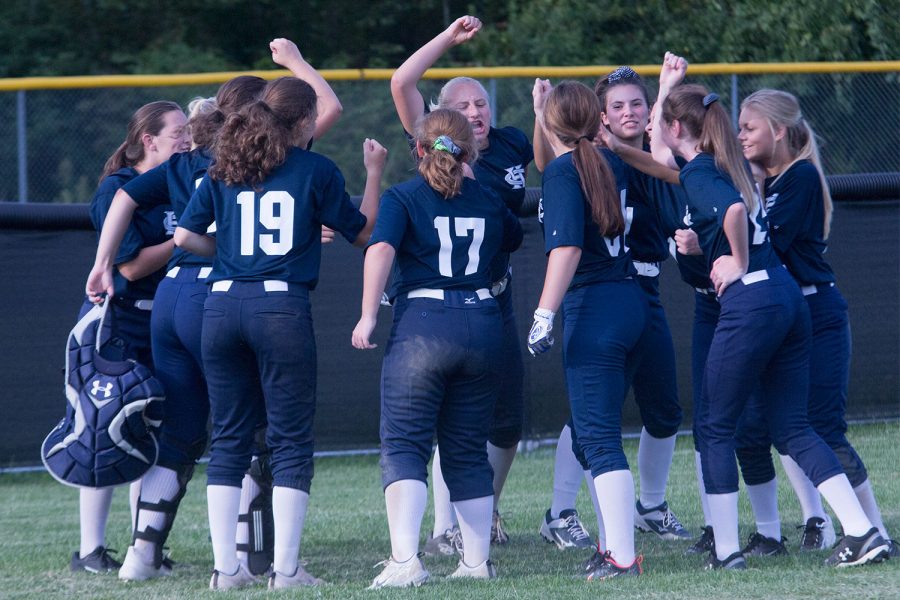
639,159
543,151
674,69
376,268
286,54
374,158
118,218
407,99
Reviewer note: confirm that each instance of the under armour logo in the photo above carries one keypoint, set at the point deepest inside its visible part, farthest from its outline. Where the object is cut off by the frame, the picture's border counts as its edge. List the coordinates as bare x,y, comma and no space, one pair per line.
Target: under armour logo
106,389
846,554
470,300
170,222
515,177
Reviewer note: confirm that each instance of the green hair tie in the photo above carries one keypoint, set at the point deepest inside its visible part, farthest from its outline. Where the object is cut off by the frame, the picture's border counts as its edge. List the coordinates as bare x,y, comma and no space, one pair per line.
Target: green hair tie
445,144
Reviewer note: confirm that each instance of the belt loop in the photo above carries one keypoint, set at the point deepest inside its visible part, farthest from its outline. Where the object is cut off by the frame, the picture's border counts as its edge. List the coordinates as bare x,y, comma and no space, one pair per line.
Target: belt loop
173,272
275,285
204,272
222,286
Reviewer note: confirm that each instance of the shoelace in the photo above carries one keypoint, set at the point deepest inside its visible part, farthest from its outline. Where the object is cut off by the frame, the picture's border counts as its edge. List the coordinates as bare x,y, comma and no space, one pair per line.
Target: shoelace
105,557
669,519
812,532
575,528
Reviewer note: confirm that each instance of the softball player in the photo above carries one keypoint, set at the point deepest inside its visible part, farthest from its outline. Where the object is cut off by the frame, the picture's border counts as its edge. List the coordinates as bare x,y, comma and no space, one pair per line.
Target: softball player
441,366
176,326
777,139
762,335
155,131
269,199
591,274
503,156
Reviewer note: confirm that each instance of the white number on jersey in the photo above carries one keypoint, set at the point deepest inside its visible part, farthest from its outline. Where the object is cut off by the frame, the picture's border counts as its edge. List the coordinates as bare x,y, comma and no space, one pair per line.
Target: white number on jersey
617,244
462,226
281,220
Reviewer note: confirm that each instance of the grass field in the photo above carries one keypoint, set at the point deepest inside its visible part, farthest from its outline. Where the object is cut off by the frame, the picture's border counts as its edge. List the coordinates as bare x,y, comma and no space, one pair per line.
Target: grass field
346,534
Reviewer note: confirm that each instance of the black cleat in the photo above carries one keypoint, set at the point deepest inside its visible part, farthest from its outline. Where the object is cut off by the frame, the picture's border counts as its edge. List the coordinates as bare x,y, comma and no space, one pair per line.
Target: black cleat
98,561
706,543
608,568
760,545
852,551
818,534
733,562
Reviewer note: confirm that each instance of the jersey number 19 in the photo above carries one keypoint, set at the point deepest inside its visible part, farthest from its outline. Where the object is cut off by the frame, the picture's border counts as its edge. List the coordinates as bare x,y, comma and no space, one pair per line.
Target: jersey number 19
280,220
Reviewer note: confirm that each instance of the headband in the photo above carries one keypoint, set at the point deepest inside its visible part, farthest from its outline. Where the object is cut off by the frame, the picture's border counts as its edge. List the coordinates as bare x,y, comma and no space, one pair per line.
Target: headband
709,99
622,73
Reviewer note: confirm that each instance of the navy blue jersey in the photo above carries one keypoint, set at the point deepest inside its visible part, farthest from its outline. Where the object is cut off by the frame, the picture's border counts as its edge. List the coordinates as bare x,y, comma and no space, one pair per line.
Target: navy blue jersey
274,231
566,218
647,199
149,227
796,211
441,243
710,193
173,182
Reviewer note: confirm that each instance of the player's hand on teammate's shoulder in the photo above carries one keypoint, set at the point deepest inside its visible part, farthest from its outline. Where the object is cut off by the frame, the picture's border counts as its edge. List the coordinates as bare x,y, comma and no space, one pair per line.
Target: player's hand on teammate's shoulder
284,52
374,155
463,29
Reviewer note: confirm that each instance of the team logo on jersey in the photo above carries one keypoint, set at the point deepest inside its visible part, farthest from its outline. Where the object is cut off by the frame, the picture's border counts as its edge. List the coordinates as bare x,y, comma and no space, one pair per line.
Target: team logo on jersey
770,201
515,177
687,220
540,210
170,222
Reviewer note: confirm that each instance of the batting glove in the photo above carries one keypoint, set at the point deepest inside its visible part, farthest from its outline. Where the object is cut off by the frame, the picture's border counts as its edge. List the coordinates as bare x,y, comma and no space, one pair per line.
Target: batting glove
539,338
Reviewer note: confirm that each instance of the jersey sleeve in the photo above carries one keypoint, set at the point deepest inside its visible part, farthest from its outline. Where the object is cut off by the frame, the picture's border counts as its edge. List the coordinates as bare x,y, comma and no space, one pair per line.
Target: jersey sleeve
150,189
393,219
200,211
790,212
131,242
335,208
563,204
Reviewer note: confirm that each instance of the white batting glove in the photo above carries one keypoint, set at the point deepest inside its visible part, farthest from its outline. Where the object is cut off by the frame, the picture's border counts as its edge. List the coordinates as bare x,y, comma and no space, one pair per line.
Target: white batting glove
539,338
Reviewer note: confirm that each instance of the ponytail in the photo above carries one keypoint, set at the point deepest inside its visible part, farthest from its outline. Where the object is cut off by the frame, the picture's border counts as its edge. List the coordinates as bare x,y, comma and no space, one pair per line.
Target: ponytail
572,113
234,95
148,119
447,142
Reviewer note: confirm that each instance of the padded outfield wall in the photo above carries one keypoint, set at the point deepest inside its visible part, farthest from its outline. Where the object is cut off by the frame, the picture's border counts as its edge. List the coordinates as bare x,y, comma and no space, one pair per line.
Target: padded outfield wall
44,262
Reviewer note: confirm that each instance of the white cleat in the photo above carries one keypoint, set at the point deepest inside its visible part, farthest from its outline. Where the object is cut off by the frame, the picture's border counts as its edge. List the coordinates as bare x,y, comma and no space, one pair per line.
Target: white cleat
239,579
485,570
300,578
410,573
134,568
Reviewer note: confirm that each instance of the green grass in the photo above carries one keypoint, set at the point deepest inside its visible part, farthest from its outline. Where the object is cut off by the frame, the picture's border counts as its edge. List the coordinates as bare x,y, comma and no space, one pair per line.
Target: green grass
346,534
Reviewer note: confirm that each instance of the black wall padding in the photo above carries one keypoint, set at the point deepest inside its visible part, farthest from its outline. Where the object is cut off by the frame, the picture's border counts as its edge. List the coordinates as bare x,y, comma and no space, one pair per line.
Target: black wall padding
43,274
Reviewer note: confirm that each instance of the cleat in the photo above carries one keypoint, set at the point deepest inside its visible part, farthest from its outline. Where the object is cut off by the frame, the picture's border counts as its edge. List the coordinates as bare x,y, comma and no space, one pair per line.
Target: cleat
485,570
594,562
607,568
300,578
760,545
852,550
732,562
705,543
659,520
498,534
98,561
448,543
135,568
818,534
410,573
239,579
893,549
566,532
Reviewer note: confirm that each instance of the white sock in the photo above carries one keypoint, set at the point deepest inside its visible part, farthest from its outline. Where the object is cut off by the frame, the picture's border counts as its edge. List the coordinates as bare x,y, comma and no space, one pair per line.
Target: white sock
764,500
223,502
807,494
405,501
475,527
501,460
724,516
289,512
134,493
701,489
444,517
839,494
93,512
159,483
567,475
654,461
592,492
866,498
249,491
615,495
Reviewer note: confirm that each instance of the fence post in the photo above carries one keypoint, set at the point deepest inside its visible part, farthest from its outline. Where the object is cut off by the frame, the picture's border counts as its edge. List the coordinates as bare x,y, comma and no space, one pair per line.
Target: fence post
492,94
734,100
20,144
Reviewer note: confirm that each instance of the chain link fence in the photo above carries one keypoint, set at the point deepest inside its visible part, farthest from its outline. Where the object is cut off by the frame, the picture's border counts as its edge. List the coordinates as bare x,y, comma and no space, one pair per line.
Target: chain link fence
53,143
